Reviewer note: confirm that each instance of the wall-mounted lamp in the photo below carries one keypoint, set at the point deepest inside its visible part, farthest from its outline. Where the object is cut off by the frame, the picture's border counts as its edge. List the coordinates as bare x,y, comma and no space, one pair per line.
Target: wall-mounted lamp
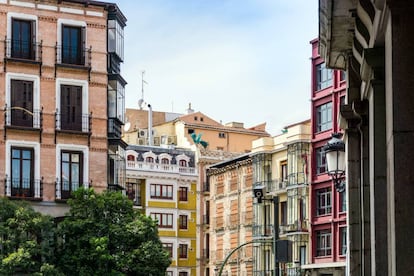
335,160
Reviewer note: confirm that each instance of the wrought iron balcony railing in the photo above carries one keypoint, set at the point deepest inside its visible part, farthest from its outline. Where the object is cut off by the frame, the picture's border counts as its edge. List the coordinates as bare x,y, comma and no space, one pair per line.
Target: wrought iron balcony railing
24,188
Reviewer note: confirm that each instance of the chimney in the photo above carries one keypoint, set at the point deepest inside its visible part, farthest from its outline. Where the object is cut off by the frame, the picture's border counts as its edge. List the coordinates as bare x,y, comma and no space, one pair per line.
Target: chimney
189,110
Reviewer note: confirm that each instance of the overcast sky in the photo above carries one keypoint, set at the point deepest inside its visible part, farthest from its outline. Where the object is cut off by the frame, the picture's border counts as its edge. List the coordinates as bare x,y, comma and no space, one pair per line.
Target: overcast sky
233,60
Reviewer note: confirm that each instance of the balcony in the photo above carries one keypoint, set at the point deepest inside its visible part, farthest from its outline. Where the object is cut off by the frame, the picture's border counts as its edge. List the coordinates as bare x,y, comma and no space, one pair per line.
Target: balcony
274,186
73,124
64,189
28,52
155,167
297,226
114,128
28,189
263,231
23,119
73,57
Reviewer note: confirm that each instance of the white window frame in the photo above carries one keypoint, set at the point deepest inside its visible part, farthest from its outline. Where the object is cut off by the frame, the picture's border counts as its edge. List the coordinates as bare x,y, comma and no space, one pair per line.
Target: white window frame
85,98
22,16
36,93
85,164
68,22
36,167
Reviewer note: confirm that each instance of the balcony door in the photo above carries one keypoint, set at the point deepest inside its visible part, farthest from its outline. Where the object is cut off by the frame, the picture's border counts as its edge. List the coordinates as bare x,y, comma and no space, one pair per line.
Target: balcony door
22,172
22,103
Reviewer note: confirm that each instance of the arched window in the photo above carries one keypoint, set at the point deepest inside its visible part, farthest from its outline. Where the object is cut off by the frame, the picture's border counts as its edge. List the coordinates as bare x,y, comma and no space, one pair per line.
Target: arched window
130,157
165,161
149,159
183,163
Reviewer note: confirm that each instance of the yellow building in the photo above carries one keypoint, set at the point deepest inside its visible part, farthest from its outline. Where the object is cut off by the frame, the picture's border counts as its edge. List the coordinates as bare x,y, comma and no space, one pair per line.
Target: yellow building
280,177
162,182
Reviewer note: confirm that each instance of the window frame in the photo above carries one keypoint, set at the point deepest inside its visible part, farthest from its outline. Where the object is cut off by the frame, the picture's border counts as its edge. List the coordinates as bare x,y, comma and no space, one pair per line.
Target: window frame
169,217
183,193
342,240
85,164
324,117
85,101
61,22
183,251
33,37
183,222
323,243
66,193
35,96
324,76
320,161
169,247
36,167
157,191
21,190
323,201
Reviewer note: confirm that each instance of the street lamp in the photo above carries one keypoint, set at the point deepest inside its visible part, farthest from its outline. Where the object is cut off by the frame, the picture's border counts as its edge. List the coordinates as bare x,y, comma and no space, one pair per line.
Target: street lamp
335,160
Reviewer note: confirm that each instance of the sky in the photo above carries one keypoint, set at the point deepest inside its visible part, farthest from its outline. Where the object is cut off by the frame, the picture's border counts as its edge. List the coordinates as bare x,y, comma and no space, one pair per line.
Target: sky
234,60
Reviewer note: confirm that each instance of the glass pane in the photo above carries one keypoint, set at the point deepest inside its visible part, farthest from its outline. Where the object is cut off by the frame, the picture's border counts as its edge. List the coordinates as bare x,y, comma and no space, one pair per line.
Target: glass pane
75,176
65,157
15,153
75,157
27,154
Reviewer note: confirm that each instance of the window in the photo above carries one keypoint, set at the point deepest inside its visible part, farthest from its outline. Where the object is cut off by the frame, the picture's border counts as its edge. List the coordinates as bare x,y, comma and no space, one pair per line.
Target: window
165,161
182,194
323,201
130,157
183,163
149,159
116,99
169,248
195,118
71,172
190,131
164,220
183,222
22,172
324,117
342,76
169,273
116,38
73,45
71,107
342,202
283,213
283,171
342,241
161,191
23,38
182,251
222,135
323,77
182,273
21,103
323,243
133,192
320,161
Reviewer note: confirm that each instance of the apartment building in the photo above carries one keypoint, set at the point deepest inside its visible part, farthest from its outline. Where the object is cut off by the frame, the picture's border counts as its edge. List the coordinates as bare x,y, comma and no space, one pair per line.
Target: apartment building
212,142
162,182
229,217
55,75
281,199
328,210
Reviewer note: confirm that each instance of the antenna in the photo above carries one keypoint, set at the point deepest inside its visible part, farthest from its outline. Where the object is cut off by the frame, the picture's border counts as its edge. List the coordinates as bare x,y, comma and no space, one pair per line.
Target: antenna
141,101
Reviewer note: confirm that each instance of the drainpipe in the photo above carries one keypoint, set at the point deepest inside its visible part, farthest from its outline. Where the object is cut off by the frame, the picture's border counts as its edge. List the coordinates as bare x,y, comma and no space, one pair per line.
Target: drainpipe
149,125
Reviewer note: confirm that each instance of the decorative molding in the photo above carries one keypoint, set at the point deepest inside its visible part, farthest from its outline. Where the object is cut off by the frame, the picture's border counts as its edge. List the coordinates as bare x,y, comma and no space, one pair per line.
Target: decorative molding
95,25
51,19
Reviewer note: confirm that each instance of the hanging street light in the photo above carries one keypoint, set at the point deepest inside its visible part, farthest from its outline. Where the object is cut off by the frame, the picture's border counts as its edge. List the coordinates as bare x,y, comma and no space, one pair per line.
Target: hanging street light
335,160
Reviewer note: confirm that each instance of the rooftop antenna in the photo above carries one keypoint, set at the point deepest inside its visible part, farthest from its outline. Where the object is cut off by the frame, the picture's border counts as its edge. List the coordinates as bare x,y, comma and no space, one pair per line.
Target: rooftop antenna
141,101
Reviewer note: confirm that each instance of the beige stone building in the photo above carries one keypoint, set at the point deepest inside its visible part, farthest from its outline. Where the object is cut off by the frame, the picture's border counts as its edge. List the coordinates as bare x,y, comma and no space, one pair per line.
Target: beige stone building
231,216
63,101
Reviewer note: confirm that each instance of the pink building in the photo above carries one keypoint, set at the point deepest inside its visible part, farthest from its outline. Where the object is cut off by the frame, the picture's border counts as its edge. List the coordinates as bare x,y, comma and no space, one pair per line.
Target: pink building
327,205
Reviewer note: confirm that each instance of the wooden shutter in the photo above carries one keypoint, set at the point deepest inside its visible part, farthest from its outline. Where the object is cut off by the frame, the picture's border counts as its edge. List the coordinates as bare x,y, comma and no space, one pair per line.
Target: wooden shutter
71,107
22,103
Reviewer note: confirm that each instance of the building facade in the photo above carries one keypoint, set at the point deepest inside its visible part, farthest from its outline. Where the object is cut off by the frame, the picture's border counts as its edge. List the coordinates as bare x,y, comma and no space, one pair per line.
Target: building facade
327,205
281,200
231,216
212,143
372,41
162,182
55,73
